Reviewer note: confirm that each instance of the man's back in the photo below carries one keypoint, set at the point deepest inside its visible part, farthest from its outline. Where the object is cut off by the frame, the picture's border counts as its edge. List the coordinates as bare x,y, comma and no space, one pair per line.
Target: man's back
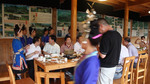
110,46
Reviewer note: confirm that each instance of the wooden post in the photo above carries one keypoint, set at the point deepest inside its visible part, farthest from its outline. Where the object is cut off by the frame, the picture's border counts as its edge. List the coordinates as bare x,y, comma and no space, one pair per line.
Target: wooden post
148,63
126,19
73,20
54,19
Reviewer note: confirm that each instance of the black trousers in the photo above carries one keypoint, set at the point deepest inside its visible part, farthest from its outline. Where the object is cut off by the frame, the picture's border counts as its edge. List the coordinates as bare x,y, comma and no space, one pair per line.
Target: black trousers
30,64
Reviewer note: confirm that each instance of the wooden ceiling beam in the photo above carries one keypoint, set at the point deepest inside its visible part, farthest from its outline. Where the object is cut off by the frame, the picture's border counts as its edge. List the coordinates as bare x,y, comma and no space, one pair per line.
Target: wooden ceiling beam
138,2
146,4
110,2
144,14
123,1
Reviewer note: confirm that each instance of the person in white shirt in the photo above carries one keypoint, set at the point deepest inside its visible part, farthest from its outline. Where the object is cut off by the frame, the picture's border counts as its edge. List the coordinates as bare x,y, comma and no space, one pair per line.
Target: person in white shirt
142,43
51,47
123,54
33,52
77,46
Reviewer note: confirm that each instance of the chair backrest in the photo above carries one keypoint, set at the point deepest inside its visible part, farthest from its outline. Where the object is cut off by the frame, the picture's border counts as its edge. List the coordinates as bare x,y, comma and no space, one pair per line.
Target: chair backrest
142,62
46,75
127,70
11,75
142,52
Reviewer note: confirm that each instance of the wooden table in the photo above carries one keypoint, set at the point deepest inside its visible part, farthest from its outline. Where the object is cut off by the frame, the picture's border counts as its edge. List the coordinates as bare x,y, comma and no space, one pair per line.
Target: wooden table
49,66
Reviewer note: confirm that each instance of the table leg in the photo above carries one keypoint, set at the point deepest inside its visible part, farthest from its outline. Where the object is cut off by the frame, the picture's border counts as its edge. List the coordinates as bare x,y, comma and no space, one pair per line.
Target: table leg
35,70
46,79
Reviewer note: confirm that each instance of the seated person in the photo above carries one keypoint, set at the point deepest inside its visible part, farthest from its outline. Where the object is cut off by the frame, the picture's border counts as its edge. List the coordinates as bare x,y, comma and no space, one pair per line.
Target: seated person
67,45
131,49
77,46
51,47
33,52
142,43
123,54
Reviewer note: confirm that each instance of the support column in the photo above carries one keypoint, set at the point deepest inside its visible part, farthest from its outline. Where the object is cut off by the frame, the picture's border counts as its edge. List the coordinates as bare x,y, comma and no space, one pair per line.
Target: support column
54,19
73,20
131,28
126,19
148,63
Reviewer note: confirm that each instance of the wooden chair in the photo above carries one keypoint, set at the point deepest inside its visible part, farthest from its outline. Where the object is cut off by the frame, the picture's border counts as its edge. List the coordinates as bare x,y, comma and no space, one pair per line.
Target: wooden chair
141,68
22,81
70,82
127,71
4,76
48,75
142,52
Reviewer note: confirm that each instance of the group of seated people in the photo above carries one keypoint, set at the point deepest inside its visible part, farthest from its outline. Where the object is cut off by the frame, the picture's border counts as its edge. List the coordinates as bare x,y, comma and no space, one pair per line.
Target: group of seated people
96,64
46,45
128,50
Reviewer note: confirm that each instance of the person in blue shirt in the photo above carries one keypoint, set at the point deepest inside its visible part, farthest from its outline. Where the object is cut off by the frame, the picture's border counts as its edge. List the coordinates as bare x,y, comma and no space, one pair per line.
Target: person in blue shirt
19,63
24,36
87,69
45,37
32,32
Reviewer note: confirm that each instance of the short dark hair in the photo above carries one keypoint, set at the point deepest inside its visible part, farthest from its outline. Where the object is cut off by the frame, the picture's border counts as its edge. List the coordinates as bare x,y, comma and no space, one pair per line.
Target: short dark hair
53,37
16,29
142,37
50,28
31,30
36,39
67,37
103,21
127,39
23,27
45,29
80,35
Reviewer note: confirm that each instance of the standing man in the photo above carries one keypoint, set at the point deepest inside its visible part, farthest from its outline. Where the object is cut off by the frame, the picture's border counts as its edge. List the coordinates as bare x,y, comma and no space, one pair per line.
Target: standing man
110,47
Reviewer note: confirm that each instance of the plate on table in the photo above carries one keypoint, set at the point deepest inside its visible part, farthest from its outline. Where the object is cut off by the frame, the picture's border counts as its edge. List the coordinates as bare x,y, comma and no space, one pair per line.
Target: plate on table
55,55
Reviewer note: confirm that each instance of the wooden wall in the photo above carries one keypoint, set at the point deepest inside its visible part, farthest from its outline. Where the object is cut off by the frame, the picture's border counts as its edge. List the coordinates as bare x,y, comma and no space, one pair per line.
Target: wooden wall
6,51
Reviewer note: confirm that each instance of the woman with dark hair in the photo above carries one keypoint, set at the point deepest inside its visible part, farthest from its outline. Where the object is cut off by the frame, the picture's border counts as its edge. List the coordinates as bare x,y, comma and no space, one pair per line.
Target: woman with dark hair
86,71
51,31
45,37
32,32
19,63
24,36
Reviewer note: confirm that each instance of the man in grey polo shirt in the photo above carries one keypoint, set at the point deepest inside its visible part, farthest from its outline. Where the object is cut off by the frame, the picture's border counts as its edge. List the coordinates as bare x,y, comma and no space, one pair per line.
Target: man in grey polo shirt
132,49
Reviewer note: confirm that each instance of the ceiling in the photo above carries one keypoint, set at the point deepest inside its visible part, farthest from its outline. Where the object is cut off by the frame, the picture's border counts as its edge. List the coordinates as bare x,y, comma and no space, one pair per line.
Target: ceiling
138,8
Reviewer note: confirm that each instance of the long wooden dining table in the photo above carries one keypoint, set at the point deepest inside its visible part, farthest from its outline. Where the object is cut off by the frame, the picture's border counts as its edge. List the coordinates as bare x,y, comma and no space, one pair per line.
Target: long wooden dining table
50,66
